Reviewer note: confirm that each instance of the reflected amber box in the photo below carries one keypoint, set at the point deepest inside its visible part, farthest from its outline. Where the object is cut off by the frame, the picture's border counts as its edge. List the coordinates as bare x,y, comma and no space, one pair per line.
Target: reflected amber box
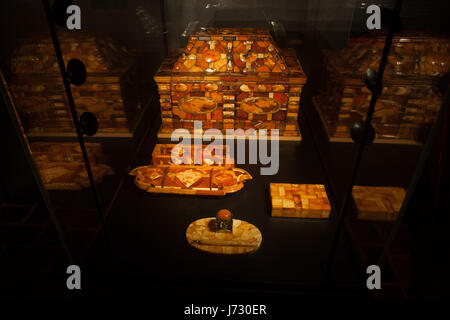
110,91
61,164
378,203
299,200
231,79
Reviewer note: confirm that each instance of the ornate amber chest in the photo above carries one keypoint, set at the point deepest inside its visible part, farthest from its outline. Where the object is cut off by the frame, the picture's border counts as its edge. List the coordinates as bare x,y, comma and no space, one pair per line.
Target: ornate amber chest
409,99
231,79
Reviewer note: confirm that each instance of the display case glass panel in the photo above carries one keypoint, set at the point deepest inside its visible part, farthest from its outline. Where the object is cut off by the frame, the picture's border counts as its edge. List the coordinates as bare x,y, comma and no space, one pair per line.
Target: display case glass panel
223,127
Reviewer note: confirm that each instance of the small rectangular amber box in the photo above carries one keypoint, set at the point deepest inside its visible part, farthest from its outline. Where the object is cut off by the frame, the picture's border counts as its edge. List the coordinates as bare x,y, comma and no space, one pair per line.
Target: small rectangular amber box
299,200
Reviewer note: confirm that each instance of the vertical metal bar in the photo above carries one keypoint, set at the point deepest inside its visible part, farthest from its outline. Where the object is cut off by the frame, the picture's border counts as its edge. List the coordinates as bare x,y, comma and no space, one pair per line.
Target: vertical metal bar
361,145
24,143
164,27
424,155
326,173
73,110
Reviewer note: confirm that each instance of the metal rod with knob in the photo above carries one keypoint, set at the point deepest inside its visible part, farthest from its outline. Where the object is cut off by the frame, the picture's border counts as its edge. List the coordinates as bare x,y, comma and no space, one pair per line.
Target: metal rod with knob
73,110
374,83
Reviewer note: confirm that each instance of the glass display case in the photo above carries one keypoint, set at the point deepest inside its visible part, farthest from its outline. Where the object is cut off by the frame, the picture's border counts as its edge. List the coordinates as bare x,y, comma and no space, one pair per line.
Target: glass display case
221,147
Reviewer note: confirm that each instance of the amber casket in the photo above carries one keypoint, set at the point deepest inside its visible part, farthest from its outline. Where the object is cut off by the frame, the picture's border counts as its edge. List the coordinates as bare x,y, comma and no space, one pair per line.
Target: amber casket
231,79
409,100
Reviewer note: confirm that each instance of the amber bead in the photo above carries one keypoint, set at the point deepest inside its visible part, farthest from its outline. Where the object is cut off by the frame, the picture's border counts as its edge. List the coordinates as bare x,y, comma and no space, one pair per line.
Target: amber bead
224,214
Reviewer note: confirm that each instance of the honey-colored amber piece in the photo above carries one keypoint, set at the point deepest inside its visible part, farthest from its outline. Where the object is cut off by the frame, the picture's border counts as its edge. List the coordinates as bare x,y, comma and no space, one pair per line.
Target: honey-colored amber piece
277,87
262,88
196,69
189,63
224,179
179,113
251,57
263,69
244,88
181,87
260,105
262,44
188,47
202,64
240,47
211,55
269,62
197,105
277,68
199,43
216,96
220,63
189,177
238,61
211,87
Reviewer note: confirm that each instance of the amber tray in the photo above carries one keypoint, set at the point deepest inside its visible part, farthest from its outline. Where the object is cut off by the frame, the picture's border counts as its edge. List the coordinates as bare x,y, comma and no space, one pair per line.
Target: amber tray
192,180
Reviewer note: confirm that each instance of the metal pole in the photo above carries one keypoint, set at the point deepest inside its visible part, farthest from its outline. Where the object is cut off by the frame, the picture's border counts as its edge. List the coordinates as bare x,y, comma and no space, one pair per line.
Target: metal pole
424,155
377,90
21,136
164,27
73,110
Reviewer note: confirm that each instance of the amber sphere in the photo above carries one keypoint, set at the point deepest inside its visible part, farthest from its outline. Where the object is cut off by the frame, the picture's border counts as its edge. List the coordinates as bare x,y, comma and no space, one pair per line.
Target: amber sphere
223,214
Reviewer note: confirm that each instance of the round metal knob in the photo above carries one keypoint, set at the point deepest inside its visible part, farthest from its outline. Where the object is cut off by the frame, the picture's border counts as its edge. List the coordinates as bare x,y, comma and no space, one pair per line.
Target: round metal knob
371,81
357,131
88,123
76,71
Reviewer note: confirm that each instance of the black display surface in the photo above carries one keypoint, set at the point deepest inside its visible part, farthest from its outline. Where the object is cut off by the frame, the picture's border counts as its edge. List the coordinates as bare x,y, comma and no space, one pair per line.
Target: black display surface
145,233
144,243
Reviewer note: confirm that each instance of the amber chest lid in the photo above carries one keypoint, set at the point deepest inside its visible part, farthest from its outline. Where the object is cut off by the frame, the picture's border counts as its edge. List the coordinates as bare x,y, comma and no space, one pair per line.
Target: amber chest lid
243,51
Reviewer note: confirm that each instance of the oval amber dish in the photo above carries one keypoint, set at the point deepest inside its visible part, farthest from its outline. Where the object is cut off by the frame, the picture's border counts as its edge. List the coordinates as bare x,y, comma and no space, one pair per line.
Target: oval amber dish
198,105
260,105
245,238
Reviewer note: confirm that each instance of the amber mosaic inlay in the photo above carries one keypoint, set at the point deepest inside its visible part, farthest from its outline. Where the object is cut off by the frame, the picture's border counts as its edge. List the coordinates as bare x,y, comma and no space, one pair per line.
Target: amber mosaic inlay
299,200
